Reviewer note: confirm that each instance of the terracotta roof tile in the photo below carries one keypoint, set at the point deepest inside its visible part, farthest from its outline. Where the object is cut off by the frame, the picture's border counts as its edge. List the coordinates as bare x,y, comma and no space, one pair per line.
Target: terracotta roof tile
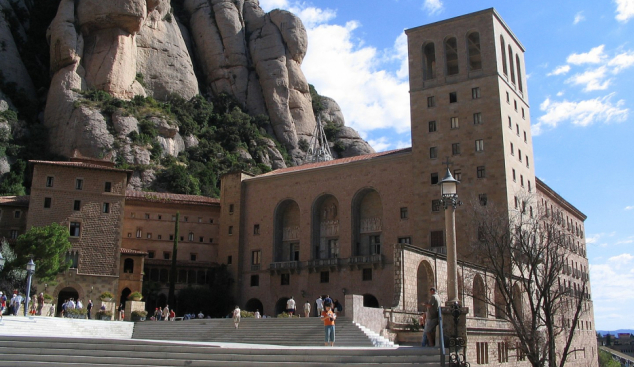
165,197
334,162
14,200
129,251
80,165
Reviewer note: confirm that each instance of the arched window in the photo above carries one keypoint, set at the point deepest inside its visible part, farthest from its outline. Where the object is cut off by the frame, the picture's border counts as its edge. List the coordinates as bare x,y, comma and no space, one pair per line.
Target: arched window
451,56
473,47
425,280
503,49
429,61
511,65
519,72
500,304
367,212
479,297
326,227
128,266
287,222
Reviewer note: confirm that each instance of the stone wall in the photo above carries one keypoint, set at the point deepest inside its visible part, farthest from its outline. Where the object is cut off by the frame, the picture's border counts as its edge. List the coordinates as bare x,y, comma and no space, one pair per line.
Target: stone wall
371,318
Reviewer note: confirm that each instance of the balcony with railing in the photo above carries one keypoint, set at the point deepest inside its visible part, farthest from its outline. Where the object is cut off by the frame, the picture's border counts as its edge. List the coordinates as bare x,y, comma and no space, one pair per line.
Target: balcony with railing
360,261
439,249
331,264
284,267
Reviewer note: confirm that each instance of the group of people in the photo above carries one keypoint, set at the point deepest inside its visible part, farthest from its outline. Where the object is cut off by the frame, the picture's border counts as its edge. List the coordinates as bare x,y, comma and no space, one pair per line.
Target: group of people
164,314
291,306
13,305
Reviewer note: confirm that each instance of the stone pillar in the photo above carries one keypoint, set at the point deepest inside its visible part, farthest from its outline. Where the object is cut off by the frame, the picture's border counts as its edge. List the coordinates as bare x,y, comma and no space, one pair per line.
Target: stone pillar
110,306
131,306
455,330
452,261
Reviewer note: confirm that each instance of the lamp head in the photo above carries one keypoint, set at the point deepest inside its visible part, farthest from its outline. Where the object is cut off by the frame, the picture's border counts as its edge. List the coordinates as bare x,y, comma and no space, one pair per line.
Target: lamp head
30,267
449,185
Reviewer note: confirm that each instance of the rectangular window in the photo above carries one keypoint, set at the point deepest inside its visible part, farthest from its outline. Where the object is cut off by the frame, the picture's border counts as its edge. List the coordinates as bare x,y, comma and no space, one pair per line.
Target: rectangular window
517,129
47,203
200,219
516,202
519,154
49,181
432,126
477,118
256,257
508,98
160,237
105,208
166,255
510,123
230,229
407,240
256,229
431,101
190,237
523,115
324,277
375,245
524,136
454,123
367,274
482,353
433,152
255,280
171,237
230,208
514,176
173,218
17,214
159,217
108,187
186,218
77,205
13,234
229,260
455,148
434,178
515,104
201,239
529,186
475,93
435,205
503,352
193,257
453,97
437,239
146,216
75,229
139,232
211,220
79,184
522,180
512,149
481,172
150,254
479,145
483,199
457,174
148,236
404,213
285,279
527,165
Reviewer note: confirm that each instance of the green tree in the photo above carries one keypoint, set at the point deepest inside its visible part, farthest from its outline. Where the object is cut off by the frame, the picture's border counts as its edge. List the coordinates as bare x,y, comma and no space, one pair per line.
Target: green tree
605,360
180,181
47,246
12,183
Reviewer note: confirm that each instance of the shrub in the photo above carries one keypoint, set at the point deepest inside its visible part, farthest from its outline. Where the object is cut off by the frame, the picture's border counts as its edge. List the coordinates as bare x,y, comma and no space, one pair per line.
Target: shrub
247,314
101,313
284,315
303,145
135,295
106,295
48,297
139,313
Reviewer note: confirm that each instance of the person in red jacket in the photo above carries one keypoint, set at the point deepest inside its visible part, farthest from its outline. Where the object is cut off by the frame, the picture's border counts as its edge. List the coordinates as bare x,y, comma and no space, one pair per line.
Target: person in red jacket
329,324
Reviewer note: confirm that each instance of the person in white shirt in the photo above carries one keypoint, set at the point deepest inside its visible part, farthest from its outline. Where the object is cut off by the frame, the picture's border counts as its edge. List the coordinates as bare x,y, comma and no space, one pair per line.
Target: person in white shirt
257,314
307,309
290,306
236,316
79,304
320,305
201,315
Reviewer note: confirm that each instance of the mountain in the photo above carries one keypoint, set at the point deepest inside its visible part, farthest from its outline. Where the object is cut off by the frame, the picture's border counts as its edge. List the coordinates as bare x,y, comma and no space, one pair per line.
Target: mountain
615,332
154,84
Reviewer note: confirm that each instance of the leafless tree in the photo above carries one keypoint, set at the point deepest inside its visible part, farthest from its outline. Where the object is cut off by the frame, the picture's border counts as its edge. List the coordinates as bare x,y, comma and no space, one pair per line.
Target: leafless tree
525,251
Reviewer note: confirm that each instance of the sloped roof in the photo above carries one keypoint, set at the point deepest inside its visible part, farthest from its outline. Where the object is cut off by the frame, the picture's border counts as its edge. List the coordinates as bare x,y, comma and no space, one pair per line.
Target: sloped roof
165,197
15,200
97,165
335,162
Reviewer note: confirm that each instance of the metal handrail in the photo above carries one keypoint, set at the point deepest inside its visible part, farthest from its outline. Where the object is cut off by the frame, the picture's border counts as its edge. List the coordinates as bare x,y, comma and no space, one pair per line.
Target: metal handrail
442,338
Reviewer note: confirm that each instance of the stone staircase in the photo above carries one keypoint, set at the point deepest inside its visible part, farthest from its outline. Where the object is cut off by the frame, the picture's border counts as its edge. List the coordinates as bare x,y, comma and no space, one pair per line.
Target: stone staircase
62,327
294,332
42,351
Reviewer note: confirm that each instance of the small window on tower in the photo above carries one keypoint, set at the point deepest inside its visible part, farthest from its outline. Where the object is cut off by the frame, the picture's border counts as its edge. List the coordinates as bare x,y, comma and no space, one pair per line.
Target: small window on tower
432,126
404,213
453,97
434,178
431,101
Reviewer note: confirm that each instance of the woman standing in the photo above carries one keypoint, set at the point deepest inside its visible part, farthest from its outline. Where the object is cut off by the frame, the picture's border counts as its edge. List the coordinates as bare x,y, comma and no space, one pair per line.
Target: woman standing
236,316
329,324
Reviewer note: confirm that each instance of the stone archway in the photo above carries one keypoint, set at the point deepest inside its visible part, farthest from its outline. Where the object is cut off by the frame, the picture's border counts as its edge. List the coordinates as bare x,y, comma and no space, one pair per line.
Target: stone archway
287,231
254,304
425,280
280,306
370,301
124,296
64,294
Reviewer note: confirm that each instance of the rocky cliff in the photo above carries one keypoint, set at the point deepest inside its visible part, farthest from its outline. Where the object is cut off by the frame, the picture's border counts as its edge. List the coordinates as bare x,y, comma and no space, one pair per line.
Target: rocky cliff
157,50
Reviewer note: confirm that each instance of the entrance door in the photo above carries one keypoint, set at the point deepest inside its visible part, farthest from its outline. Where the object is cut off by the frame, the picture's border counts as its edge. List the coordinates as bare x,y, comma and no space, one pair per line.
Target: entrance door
66,294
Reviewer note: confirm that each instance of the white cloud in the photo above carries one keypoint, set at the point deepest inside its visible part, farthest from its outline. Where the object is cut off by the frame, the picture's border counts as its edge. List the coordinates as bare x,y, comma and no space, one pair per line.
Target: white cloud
624,10
594,56
582,113
269,5
381,144
593,79
629,207
612,285
433,6
592,239
622,61
560,70
579,18
400,46
560,93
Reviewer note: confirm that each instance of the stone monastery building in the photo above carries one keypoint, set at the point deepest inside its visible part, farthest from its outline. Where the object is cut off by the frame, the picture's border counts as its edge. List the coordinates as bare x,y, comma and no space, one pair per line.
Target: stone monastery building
369,225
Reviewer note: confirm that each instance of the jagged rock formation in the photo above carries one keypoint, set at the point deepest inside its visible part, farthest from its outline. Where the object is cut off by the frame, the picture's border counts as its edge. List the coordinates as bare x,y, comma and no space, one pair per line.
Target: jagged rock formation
349,139
148,48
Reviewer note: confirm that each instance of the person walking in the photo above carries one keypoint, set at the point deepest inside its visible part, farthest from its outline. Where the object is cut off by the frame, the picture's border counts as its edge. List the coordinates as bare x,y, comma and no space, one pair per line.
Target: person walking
121,312
40,303
17,302
329,318
327,300
257,314
421,322
290,306
336,306
320,305
432,317
236,316
51,310
3,304
166,313
33,305
307,309
89,308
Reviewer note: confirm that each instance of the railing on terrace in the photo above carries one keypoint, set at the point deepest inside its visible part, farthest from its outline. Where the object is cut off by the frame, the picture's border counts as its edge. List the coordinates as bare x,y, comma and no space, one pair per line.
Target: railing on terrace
284,266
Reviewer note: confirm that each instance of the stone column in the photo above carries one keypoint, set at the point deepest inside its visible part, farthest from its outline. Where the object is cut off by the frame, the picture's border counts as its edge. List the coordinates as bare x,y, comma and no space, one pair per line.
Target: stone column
452,261
131,306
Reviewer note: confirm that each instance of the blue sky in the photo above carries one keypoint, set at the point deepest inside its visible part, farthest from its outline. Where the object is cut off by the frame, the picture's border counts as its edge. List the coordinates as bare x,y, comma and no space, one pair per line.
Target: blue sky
580,67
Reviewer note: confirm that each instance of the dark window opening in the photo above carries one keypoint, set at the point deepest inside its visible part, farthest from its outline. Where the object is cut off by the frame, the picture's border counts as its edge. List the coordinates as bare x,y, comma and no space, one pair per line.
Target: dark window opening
367,274
324,277
47,203
285,279
437,239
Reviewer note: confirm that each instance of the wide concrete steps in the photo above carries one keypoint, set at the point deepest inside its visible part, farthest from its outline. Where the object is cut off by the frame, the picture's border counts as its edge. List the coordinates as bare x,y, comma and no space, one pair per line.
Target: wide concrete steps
42,351
57,326
274,331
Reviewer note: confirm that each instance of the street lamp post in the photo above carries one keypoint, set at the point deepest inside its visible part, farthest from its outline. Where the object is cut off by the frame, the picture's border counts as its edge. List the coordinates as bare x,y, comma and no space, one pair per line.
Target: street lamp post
30,270
449,191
